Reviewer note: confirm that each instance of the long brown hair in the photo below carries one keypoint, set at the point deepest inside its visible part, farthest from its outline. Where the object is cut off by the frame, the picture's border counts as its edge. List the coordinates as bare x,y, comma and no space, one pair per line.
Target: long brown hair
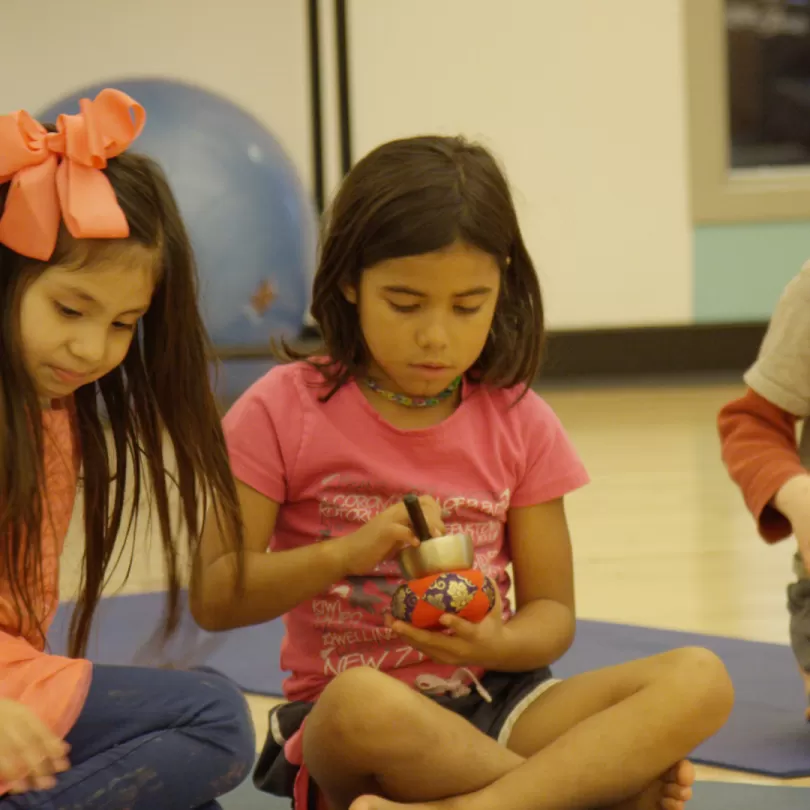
162,388
418,195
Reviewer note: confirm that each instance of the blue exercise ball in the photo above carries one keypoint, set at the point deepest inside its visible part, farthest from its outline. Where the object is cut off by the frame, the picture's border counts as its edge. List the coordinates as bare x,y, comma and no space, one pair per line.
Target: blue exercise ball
252,224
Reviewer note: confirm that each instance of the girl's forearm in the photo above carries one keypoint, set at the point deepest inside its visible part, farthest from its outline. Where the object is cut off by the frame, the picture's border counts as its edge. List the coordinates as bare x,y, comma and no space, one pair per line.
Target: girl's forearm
272,584
539,634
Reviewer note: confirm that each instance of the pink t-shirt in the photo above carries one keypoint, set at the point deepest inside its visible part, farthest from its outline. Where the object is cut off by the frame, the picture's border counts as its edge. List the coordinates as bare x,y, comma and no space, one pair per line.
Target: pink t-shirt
335,465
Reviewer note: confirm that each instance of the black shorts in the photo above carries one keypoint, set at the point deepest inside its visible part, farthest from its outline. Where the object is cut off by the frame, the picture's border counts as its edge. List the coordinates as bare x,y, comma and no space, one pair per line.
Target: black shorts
511,692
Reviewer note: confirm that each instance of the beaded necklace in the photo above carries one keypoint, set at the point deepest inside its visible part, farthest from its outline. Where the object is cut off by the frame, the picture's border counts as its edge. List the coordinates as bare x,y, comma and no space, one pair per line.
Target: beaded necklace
415,402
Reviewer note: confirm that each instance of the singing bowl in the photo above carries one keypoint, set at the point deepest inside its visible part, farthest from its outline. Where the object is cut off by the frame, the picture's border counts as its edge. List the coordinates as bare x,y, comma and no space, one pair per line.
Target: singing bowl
450,552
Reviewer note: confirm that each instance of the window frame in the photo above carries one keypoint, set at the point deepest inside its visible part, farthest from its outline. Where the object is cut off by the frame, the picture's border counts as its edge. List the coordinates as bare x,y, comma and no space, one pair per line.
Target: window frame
718,193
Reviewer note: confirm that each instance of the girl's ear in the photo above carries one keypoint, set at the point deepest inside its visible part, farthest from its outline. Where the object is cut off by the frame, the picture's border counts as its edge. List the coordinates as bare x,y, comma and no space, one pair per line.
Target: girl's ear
350,293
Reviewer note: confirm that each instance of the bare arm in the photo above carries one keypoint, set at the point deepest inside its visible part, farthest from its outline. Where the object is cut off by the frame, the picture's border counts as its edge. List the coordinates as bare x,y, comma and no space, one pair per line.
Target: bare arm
543,627
274,582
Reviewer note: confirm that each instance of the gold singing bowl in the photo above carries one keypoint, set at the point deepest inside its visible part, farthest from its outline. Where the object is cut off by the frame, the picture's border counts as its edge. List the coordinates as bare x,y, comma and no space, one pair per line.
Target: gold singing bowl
450,552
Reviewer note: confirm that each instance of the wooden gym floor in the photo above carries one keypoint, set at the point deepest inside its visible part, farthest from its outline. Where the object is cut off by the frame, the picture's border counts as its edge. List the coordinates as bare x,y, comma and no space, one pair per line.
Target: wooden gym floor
659,509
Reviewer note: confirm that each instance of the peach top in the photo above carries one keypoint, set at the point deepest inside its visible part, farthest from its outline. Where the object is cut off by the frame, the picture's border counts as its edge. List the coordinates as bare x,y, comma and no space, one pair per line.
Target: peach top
52,686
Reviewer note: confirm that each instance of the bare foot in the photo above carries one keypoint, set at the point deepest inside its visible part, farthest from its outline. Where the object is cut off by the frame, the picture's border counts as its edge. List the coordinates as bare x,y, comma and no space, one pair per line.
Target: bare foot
670,792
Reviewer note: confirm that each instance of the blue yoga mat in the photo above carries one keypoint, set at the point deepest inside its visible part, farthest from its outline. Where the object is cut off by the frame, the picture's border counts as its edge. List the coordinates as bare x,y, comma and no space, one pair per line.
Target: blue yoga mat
766,733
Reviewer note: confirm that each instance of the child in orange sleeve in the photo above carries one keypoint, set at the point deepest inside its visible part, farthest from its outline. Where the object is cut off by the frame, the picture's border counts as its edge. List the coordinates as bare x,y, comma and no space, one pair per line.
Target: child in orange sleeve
758,432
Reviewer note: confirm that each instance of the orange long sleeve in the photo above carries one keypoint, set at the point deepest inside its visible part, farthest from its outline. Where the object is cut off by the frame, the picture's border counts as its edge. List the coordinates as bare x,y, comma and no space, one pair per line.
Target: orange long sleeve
53,687
760,453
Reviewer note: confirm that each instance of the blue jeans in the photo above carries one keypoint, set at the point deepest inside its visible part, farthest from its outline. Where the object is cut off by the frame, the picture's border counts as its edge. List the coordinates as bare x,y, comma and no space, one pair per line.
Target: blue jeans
152,738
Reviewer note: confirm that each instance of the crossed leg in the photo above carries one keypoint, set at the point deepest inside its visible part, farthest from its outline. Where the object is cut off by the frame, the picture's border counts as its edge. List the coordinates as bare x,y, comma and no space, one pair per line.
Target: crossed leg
611,738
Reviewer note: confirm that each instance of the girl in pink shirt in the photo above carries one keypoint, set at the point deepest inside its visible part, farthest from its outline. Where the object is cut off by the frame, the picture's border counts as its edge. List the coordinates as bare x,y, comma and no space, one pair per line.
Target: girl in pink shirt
433,326
100,336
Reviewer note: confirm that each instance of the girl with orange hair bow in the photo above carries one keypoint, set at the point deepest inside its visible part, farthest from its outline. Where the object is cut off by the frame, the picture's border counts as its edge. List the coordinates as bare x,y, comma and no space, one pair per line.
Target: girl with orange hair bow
101,334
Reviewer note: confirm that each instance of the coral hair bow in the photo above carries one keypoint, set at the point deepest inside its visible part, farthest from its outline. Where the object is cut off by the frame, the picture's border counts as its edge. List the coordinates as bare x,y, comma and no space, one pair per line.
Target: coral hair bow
57,176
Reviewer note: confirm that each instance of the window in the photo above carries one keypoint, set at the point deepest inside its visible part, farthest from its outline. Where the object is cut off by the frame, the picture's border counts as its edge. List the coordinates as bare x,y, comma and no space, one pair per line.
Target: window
748,70
768,44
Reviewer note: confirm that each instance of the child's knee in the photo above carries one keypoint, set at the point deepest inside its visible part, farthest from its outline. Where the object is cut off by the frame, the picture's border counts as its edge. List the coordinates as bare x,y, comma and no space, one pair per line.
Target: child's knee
360,707
230,725
705,680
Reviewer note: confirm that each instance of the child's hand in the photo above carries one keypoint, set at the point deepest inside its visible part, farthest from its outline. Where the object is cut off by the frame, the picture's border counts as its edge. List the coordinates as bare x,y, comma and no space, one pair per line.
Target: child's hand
467,644
801,531
386,535
30,753
793,501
